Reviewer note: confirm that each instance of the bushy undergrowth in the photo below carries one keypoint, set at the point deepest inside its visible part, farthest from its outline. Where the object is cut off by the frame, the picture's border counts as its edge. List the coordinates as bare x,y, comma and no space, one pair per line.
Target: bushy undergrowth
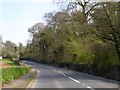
8,74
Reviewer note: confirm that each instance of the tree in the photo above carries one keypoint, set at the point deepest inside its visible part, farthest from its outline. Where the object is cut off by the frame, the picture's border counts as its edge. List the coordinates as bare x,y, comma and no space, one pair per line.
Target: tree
21,48
36,28
85,36
105,19
84,6
8,49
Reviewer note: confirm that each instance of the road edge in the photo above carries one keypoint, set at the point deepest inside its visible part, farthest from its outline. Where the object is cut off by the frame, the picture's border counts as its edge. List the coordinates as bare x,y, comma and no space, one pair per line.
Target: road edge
98,77
29,85
95,76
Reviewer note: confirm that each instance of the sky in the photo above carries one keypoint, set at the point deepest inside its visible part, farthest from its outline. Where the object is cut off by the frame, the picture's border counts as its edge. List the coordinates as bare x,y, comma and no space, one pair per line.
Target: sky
16,16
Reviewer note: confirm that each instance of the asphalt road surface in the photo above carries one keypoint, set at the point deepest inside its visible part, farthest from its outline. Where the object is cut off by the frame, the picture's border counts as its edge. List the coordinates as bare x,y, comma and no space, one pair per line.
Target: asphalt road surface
55,77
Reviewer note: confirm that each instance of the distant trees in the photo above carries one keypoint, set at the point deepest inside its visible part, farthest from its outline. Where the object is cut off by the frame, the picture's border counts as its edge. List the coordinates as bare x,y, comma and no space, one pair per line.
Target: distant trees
8,49
21,50
11,50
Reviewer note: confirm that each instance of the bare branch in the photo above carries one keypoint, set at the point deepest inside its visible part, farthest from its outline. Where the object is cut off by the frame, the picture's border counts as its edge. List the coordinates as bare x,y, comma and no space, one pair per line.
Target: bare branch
92,8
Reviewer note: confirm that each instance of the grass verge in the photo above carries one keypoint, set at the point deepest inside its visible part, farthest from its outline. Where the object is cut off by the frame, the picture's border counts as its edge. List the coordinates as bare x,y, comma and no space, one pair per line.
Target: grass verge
12,73
21,82
9,62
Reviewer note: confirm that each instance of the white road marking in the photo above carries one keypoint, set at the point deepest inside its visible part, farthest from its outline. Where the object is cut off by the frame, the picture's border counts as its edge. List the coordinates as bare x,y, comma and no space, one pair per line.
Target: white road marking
55,70
61,73
71,78
74,79
34,80
90,88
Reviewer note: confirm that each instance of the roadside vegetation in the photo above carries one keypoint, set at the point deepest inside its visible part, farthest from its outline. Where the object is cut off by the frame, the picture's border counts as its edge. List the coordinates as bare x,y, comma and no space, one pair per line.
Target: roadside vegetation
9,62
82,39
13,73
83,36
11,69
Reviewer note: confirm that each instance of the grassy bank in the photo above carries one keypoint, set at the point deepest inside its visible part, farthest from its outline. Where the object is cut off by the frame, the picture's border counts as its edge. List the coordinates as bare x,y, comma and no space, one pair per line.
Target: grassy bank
8,74
11,70
9,62
23,81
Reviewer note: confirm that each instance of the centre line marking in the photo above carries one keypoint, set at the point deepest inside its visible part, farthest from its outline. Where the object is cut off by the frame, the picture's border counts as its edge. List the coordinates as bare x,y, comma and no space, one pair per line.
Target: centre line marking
62,73
74,79
55,70
90,87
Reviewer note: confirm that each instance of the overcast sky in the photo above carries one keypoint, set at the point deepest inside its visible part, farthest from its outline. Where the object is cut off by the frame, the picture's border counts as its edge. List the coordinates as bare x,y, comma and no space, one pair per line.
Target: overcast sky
16,16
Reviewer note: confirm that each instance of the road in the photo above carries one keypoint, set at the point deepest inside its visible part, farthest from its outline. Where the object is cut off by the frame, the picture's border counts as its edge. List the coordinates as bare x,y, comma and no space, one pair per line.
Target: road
55,77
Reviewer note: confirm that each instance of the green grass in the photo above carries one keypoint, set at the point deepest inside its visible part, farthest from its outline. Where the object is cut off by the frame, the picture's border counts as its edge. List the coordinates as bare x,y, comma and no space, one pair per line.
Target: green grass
10,62
12,73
